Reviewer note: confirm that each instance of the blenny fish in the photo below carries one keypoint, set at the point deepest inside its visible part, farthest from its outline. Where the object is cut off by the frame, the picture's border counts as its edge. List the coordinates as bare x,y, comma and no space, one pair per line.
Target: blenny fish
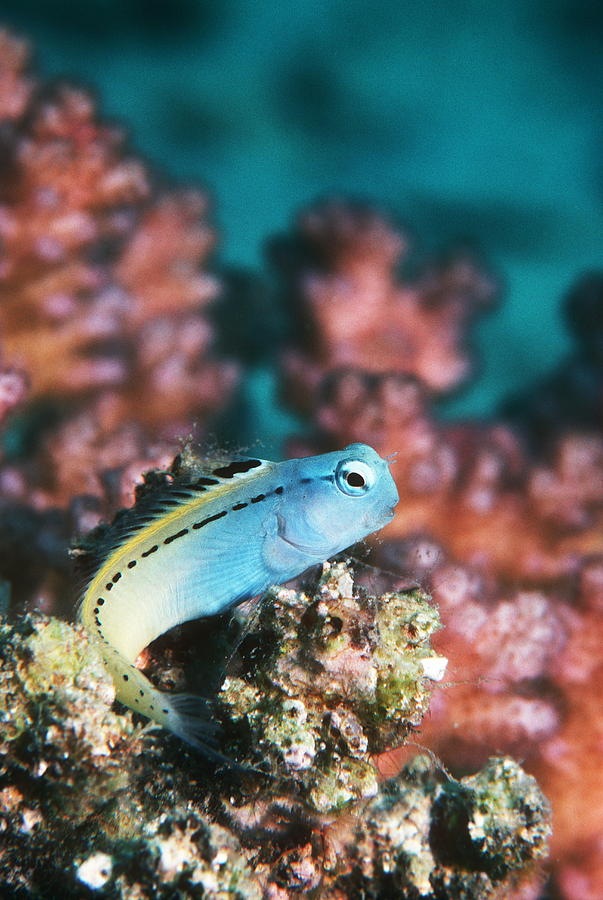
215,534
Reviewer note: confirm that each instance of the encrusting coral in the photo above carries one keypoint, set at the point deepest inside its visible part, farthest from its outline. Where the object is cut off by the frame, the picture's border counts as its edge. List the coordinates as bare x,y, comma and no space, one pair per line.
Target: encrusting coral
348,677
331,677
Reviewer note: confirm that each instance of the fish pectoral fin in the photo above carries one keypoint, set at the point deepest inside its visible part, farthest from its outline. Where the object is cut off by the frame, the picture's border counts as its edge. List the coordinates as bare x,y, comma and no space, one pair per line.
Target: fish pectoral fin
316,552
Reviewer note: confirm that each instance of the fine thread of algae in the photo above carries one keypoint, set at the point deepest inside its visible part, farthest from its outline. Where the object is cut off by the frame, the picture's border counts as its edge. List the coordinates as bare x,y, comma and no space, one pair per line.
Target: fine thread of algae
435,760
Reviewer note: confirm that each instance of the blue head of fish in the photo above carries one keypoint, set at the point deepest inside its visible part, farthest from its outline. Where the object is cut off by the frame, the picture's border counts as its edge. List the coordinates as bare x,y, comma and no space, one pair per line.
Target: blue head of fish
337,499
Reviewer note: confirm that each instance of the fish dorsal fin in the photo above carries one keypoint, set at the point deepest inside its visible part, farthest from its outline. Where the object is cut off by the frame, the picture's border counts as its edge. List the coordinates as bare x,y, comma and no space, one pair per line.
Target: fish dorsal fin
189,466
191,477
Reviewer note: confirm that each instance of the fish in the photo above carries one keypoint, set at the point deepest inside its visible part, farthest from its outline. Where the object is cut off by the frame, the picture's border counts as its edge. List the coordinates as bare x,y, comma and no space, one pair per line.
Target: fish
209,537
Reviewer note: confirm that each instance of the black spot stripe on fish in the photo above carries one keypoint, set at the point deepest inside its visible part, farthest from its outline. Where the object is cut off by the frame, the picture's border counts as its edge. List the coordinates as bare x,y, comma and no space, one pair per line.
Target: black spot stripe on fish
152,549
237,467
174,537
209,519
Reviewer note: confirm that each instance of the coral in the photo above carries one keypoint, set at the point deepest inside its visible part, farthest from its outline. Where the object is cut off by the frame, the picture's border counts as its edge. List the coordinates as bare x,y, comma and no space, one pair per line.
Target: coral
55,691
346,678
572,396
471,488
88,804
76,804
13,391
504,526
101,283
462,838
105,339
349,309
107,360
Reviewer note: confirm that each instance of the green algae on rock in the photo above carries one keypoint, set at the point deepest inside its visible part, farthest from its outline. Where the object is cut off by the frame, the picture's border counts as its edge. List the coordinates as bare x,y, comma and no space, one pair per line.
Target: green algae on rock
84,805
499,818
341,677
89,809
54,690
397,848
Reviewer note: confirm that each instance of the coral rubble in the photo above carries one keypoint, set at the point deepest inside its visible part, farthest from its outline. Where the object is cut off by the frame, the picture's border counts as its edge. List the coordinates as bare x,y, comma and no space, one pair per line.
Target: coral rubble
88,804
348,678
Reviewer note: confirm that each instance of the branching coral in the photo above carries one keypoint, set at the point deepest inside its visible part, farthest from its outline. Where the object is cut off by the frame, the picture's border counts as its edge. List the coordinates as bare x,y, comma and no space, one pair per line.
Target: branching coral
338,271
511,551
101,287
472,487
103,307
509,541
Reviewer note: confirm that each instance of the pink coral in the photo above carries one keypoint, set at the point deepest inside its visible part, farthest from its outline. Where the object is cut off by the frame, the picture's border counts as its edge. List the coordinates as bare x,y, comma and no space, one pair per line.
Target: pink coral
13,391
339,267
509,542
101,280
104,298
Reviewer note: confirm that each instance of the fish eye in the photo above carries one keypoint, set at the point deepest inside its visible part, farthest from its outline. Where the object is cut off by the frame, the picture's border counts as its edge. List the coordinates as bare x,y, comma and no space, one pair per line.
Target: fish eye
354,477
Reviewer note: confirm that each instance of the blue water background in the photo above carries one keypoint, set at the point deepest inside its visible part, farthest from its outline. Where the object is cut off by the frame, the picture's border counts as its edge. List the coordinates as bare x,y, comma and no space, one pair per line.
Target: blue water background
464,119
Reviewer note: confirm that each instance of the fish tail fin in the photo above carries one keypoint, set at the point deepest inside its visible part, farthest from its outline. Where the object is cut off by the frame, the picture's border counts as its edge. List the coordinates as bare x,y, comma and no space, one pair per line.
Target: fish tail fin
192,718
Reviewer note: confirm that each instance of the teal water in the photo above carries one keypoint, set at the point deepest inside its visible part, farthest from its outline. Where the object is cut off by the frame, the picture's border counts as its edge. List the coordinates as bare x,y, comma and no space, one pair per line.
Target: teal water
466,119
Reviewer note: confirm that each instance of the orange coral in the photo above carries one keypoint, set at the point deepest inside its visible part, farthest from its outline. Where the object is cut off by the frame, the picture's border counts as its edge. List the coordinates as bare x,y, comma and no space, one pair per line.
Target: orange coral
504,525
101,286
339,272
512,550
471,487
103,305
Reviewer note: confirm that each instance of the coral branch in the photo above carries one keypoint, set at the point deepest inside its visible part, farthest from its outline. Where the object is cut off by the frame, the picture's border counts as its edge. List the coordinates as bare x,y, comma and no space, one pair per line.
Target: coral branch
349,309
104,299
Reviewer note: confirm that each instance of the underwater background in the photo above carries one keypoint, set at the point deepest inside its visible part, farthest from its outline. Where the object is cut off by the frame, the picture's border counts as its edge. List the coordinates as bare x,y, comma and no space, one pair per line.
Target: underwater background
315,223
468,121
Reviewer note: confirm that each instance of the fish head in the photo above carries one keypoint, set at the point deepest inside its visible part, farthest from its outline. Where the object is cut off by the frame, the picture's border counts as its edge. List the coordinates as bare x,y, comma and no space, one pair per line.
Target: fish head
337,499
